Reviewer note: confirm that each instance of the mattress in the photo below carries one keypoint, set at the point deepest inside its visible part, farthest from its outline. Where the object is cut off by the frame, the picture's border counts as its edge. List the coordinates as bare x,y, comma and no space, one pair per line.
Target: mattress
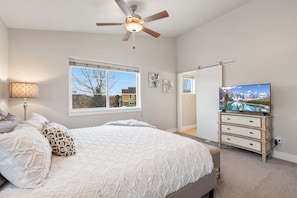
122,161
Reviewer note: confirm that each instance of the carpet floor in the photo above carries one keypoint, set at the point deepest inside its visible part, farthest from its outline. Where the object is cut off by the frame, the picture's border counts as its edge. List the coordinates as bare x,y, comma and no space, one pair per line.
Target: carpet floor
244,175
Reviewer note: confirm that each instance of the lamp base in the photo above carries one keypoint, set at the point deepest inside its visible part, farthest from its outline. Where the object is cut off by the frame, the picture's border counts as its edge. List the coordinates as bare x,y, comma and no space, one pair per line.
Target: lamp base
25,108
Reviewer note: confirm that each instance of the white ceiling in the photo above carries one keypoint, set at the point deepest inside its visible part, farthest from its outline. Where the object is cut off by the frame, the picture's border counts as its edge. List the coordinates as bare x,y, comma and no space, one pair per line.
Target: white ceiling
81,15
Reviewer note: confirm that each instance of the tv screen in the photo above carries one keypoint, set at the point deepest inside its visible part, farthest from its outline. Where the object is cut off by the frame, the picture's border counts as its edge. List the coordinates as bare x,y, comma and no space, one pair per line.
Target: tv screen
254,98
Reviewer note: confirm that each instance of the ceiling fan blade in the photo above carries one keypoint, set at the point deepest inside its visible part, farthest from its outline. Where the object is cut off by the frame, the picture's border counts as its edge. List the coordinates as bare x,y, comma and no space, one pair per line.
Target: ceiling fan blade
157,16
126,36
124,7
105,24
151,32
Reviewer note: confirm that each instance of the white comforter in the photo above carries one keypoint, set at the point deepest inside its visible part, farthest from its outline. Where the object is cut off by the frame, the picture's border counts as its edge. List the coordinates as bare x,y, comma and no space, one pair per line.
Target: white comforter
122,161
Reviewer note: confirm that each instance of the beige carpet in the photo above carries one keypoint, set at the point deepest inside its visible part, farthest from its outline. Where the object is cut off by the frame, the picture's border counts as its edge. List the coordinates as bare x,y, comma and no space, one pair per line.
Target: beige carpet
244,175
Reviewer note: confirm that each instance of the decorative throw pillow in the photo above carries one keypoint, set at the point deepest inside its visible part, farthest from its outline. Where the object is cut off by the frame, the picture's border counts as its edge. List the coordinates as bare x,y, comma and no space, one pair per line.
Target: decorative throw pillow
37,121
59,138
3,114
8,123
25,157
130,122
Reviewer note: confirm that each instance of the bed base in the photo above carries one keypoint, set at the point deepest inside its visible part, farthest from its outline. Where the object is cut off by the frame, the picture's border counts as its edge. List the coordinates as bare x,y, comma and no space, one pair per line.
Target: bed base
203,186
215,153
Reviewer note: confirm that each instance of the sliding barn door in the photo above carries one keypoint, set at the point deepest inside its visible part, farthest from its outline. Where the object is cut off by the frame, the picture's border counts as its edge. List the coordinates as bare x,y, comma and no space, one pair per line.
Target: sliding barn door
208,81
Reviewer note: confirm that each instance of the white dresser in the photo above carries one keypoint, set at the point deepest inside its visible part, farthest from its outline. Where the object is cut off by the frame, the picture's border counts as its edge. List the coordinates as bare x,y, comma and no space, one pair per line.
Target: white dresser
247,131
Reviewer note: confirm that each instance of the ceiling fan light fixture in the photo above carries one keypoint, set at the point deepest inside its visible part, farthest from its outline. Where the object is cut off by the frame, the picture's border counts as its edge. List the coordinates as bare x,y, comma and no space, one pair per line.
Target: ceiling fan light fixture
134,26
134,22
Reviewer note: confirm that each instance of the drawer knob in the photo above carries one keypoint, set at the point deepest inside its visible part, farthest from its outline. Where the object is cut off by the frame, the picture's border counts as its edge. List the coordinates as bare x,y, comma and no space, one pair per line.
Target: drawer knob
228,118
228,139
228,129
251,144
251,132
251,121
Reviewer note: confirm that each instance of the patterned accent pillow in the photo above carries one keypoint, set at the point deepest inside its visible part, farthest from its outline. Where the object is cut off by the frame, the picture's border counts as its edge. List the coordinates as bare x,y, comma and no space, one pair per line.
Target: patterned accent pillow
59,138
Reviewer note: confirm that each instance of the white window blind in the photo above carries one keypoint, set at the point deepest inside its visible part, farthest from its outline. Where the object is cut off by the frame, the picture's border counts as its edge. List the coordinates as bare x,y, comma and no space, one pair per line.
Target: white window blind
101,65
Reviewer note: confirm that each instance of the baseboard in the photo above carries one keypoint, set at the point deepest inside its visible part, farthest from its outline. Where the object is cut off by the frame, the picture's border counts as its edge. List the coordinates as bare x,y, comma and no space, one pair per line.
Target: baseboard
285,156
172,130
183,128
189,127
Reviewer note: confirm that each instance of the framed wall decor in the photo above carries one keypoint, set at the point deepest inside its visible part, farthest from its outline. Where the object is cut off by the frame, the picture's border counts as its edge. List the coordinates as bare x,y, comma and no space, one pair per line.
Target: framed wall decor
167,86
153,80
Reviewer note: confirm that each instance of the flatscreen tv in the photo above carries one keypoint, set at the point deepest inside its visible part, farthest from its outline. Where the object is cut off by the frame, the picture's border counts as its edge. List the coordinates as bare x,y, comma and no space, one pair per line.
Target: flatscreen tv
253,98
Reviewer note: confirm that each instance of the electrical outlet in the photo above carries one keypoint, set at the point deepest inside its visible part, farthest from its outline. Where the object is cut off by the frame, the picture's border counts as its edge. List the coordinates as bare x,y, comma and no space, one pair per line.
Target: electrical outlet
278,140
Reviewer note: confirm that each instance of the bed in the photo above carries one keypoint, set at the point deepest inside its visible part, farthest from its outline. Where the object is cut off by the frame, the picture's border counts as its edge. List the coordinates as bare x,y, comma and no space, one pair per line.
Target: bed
127,158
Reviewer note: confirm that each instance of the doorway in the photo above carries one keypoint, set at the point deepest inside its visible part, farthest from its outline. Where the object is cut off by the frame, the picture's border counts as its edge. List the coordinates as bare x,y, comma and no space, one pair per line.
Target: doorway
189,103
207,83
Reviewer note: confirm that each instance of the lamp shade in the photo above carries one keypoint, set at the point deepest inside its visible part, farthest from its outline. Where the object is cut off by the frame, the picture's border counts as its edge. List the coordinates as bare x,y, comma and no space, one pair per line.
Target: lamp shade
23,90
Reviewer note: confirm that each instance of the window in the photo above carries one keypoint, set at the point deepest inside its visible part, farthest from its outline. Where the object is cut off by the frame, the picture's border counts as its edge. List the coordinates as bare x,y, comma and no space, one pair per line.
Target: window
189,85
97,87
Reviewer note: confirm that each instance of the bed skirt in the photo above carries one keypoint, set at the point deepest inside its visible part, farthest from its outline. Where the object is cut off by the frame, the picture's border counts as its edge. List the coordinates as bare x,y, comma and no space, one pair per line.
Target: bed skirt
203,186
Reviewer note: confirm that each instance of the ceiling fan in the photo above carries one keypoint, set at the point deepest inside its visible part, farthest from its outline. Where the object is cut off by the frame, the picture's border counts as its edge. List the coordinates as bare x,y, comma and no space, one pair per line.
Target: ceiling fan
134,22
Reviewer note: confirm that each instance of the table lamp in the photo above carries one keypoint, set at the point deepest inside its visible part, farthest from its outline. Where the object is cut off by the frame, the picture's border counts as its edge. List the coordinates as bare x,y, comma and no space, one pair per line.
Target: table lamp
23,90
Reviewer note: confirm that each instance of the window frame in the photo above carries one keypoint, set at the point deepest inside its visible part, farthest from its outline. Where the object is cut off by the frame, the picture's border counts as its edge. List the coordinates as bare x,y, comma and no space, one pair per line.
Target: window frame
78,62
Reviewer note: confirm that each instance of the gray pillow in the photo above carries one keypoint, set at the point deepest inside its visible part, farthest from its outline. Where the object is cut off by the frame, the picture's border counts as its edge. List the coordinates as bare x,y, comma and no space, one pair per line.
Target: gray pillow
8,123
2,114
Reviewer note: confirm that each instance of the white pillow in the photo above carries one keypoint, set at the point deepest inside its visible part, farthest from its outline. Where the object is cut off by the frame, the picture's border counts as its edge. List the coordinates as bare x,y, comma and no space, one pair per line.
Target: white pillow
37,121
130,122
25,157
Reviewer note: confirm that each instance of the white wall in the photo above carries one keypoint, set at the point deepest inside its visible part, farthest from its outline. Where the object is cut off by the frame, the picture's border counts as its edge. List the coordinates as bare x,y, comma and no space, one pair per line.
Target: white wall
261,37
42,57
3,66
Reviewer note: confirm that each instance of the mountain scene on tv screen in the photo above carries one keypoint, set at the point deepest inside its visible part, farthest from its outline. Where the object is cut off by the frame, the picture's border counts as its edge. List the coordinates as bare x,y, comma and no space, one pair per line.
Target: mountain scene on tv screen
246,98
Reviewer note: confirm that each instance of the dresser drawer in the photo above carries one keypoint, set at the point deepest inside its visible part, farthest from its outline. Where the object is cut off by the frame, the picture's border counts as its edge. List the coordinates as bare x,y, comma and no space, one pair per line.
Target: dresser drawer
253,133
249,121
244,143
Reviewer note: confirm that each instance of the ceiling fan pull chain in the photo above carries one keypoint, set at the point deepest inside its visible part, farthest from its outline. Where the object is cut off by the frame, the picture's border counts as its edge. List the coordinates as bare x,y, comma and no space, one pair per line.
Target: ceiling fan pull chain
133,40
